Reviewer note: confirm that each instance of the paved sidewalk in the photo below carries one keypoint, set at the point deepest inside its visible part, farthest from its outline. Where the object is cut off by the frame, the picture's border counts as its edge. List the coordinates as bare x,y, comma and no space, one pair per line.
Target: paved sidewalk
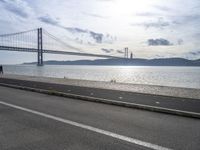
168,102
138,88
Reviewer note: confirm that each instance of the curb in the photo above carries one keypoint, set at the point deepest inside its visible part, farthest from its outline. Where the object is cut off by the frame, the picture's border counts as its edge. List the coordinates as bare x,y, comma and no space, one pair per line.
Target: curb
107,101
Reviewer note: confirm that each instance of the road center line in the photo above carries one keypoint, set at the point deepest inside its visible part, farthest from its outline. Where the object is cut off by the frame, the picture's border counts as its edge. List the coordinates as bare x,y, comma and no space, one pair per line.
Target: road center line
97,130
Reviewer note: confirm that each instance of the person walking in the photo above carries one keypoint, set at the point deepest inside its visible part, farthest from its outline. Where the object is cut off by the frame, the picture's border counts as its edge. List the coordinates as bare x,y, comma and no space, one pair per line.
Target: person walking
1,69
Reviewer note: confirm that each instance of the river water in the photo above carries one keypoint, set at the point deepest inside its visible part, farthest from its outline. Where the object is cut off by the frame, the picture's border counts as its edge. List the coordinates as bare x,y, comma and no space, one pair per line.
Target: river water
188,77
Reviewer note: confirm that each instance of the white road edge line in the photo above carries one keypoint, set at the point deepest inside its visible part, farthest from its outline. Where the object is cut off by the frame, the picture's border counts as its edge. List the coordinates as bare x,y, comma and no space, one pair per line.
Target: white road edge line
97,130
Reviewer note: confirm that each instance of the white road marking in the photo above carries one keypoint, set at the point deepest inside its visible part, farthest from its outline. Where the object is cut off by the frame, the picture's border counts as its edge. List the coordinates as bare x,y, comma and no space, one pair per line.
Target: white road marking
97,130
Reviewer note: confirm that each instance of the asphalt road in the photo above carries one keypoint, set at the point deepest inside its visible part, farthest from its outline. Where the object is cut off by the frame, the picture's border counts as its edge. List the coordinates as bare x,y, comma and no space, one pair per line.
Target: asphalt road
30,121
175,103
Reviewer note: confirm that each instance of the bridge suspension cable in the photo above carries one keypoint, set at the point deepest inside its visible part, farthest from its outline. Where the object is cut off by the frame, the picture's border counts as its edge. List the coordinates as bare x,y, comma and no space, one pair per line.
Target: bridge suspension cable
26,39
41,41
11,34
61,42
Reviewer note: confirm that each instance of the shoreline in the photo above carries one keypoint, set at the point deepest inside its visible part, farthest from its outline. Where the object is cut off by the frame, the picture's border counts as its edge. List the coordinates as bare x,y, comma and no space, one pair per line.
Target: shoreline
143,76
181,92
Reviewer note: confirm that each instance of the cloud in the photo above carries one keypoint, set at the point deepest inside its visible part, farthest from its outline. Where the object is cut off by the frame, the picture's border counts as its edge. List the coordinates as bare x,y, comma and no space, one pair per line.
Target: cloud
120,51
112,50
180,42
98,37
95,15
91,35
162,8
107,50
147,14
189,18
195,54
192,18
81,35
158,42
75,30
105,0
48,20
160,23
18,7
196,35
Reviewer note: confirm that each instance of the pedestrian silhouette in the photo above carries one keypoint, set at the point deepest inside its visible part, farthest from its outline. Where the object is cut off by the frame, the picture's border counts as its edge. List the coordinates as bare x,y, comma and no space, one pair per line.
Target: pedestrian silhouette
1,69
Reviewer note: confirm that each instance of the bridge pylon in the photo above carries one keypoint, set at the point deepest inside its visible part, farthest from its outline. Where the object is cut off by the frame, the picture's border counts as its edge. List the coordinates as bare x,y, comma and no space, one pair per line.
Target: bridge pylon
40,47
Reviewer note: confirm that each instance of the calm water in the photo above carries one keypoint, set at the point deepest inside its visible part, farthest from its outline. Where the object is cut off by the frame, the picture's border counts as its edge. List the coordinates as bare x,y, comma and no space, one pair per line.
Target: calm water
166,76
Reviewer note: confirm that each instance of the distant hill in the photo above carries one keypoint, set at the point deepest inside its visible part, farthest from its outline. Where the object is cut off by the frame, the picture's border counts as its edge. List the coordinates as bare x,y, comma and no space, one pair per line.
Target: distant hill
128,62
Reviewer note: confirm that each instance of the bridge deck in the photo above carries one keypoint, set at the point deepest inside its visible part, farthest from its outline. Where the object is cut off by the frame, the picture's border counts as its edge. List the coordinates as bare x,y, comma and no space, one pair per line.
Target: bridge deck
24,49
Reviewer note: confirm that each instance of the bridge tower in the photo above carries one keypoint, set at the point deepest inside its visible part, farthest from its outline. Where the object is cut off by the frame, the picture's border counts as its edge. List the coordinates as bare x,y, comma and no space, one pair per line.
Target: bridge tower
40,47
126,52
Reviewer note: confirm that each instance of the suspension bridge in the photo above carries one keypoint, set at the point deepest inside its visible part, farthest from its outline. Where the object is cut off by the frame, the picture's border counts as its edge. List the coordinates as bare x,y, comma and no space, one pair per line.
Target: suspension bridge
40,41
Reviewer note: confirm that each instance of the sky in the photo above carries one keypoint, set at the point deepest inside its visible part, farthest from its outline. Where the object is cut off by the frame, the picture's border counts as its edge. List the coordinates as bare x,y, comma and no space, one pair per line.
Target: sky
149,28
